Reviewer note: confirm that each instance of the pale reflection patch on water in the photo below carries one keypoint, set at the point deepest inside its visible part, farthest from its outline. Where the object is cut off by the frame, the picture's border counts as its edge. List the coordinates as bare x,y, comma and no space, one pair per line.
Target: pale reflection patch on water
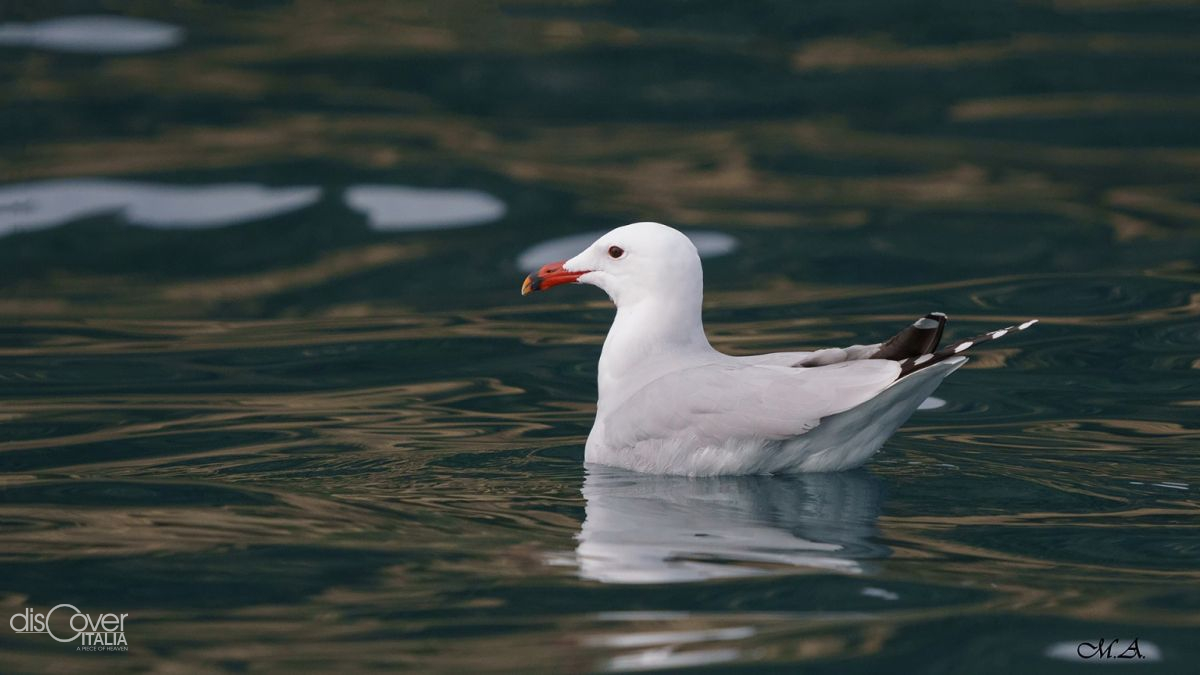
99,34
26,207
391,208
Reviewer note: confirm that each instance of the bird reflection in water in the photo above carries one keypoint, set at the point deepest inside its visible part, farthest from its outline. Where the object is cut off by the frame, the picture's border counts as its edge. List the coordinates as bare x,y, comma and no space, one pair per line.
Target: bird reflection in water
643,528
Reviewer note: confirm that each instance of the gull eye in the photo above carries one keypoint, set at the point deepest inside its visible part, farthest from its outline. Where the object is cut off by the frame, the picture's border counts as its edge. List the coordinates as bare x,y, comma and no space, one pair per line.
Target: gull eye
615,251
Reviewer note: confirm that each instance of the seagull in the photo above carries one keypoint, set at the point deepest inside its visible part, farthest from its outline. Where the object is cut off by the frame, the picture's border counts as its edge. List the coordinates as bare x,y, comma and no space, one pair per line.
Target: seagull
669,403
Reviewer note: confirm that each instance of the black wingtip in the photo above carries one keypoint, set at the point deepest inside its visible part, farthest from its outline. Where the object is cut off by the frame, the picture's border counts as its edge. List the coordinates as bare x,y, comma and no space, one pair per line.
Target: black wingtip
922,337
913,364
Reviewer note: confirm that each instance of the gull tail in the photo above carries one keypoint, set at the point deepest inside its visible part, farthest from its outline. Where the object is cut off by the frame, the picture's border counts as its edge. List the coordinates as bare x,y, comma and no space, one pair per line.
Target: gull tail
912,364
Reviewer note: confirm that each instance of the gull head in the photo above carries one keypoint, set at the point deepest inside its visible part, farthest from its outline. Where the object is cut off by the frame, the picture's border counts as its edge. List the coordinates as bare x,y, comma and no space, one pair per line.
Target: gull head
632,263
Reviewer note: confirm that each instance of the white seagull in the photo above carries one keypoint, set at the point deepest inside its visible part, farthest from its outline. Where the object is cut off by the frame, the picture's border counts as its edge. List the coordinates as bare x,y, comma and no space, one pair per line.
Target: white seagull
671,404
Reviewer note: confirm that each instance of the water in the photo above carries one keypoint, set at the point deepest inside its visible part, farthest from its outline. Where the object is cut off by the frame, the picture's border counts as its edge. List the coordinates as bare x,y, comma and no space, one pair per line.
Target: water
269,388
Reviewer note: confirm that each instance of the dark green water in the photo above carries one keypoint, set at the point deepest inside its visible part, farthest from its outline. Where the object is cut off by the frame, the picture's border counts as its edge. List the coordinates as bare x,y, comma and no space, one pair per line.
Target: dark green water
286,418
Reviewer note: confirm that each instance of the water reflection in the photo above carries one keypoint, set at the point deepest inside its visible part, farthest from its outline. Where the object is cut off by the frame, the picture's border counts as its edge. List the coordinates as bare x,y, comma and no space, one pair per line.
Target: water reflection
932,403
46,204
658,529
708,244
670,657
371,473
395,207
93,35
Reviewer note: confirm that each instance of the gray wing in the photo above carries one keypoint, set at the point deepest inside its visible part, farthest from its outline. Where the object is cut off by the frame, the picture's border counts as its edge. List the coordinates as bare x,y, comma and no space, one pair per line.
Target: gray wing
717,402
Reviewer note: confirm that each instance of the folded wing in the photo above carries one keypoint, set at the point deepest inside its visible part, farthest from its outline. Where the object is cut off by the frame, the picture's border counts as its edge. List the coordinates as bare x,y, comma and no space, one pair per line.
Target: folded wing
711,404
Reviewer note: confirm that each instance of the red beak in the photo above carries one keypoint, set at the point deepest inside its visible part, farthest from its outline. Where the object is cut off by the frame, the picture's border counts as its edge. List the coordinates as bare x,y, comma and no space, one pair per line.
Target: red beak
551,275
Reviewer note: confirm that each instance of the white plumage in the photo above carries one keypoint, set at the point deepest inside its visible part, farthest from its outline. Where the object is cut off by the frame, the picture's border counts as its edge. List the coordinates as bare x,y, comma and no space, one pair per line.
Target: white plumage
671,404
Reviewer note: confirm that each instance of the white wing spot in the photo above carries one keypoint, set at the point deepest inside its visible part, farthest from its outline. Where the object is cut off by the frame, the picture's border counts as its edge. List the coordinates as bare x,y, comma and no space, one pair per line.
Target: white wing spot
923,358
924,324
963,347
1027,324
997,334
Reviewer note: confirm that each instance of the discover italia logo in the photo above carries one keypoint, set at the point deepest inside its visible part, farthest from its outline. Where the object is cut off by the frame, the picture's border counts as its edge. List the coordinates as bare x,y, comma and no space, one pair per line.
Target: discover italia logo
65,623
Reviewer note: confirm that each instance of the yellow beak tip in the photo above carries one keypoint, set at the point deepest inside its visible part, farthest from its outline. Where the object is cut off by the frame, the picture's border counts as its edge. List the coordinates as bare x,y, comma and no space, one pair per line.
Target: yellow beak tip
527,287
